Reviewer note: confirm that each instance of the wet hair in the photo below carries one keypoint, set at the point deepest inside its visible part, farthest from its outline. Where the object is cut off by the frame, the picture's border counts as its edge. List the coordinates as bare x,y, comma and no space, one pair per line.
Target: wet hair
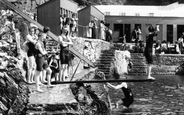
46,29
151,29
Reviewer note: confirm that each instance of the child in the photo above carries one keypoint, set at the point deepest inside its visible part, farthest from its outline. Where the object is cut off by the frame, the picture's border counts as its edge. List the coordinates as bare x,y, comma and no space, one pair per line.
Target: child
54,65
128,100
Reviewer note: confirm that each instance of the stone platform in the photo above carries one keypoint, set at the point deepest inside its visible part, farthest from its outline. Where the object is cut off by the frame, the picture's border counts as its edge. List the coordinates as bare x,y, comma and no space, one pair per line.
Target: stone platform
54,100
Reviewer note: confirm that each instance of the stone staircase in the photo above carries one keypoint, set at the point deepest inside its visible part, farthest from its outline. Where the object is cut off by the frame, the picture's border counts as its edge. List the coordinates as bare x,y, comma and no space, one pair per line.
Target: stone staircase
139,64
107,56
104,62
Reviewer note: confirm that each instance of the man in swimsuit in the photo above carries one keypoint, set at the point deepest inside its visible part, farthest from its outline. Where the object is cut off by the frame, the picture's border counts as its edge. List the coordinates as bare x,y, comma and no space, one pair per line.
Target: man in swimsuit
41,63
149,47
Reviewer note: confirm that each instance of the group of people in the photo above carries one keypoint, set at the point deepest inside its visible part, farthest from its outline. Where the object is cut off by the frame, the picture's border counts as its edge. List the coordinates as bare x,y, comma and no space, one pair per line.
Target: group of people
102,31
70,24
41,65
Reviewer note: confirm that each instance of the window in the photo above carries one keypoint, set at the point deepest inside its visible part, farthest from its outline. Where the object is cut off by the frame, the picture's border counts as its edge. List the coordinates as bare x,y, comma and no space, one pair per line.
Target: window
122,13
107,13
151,14
137,14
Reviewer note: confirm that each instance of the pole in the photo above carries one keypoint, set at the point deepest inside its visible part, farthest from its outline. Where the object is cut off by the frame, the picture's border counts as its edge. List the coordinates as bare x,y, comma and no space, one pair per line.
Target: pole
75,70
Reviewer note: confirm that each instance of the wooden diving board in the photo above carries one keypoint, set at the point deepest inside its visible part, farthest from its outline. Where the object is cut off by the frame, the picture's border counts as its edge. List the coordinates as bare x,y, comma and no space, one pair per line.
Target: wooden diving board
104,81
53,36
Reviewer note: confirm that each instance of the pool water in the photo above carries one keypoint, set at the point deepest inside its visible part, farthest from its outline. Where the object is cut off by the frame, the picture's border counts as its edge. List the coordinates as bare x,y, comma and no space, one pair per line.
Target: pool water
161,97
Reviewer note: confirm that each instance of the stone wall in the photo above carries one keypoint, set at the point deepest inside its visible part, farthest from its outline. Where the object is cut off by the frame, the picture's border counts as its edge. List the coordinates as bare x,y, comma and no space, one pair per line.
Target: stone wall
167,63
94,48
163,64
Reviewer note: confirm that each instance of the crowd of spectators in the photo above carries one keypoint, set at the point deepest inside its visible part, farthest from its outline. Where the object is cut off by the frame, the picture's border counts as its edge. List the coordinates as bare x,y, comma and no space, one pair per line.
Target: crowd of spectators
98,30
69,23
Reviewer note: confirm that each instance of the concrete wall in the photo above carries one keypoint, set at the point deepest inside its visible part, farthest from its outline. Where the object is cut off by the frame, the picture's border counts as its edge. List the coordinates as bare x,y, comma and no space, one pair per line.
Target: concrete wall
144,21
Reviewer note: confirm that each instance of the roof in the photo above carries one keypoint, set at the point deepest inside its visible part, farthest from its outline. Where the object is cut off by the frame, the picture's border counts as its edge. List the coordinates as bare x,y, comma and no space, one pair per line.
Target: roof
172,10
81,9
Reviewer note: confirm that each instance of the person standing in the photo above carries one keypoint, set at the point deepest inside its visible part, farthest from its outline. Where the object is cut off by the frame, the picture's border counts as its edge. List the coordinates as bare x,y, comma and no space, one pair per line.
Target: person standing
41,63
102,30
46,30
94,29
89,29
64,41
148,49
30,42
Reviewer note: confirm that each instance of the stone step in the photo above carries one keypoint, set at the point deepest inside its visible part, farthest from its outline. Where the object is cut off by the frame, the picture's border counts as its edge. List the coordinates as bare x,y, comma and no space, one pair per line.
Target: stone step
104,70
51,113
52,109
104,60
107,65
143,73
106,56
137,56
137,63
138,70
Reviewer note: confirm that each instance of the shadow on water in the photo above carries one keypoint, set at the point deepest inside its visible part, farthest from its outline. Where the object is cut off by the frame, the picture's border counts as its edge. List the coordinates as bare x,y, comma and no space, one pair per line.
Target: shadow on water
154,98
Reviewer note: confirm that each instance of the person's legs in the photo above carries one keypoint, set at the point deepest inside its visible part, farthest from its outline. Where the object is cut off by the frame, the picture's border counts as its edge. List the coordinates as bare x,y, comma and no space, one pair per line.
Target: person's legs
43,76
119,102
65,72
61,72
149,59
149,71
48,75
31,69
37,79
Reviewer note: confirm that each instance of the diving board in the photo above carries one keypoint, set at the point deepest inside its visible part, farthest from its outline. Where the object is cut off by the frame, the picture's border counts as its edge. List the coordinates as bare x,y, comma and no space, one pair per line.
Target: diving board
53,36
104,81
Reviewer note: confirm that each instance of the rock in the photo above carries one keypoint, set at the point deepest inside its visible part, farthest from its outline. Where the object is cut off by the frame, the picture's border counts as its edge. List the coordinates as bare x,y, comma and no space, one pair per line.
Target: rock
88,96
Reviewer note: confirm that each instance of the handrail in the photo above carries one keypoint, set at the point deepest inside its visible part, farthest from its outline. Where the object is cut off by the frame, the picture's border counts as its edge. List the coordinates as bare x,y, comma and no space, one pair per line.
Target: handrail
53,36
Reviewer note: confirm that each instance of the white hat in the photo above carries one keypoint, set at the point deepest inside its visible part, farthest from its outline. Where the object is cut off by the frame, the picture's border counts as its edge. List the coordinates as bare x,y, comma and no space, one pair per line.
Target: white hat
33,25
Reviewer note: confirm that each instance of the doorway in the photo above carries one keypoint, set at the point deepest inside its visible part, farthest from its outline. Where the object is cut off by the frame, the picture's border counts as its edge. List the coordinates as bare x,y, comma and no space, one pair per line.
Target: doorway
119,27
180,29
170,33
128,33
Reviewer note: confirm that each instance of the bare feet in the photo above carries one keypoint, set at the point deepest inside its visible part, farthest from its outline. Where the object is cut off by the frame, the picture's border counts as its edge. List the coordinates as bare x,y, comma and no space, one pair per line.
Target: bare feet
50,86
149,77
41,84
39,90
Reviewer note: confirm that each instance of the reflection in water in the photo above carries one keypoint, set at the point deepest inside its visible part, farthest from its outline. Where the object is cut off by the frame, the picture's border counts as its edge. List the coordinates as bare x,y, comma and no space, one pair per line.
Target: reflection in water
159,97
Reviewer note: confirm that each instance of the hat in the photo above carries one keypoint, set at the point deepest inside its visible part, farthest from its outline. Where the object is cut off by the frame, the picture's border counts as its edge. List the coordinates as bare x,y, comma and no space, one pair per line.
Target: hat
33,25
151,29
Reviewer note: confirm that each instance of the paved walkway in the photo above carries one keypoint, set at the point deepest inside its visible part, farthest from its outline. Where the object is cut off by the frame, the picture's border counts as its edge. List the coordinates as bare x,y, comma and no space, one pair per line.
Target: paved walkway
57,94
